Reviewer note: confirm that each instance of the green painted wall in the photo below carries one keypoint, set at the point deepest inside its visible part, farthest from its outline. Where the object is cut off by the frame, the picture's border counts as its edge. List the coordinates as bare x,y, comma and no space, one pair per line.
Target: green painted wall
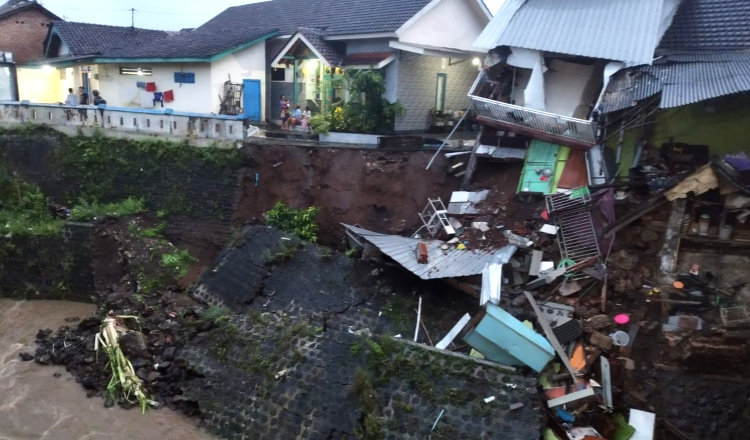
723,124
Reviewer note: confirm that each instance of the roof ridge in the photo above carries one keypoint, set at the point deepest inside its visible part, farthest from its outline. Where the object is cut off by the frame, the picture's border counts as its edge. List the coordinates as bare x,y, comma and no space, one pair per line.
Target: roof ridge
57,22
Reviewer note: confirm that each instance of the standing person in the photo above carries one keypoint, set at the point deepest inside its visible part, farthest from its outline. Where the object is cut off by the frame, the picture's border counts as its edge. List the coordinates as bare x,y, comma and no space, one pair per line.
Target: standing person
71,99
284,104
98,99
83,97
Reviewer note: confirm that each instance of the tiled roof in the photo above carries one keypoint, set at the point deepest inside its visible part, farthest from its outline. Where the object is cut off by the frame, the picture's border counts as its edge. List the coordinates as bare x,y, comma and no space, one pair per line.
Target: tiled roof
200,43
330,50
709,24
12,6
88,39
337,17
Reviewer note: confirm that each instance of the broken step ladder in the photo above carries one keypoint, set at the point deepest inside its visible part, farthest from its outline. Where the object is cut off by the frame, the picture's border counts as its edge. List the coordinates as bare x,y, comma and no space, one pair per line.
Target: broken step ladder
434,217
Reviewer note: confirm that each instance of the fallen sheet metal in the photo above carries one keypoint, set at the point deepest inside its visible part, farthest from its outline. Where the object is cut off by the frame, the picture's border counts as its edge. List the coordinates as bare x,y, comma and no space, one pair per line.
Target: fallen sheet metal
445,342
504,339
644,423
606,382
536,263
463,202
492,275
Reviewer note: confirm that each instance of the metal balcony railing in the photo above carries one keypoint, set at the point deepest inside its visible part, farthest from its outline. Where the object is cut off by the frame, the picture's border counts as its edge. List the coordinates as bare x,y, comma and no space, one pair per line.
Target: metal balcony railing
581,131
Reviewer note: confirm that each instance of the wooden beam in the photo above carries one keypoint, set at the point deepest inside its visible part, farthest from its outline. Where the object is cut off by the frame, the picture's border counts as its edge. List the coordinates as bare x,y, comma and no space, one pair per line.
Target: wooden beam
472,166
542,319
634,215
538,134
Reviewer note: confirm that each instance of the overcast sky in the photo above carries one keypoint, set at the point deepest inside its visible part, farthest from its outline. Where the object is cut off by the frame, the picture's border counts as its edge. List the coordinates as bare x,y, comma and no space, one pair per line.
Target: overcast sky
154,14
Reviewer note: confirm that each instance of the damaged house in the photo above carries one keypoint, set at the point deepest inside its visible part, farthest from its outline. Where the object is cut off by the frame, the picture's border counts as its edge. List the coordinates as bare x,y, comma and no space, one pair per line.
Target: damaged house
547,67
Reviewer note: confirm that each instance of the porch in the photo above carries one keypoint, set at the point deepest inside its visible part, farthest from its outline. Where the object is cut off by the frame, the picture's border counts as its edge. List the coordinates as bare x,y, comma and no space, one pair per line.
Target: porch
497,103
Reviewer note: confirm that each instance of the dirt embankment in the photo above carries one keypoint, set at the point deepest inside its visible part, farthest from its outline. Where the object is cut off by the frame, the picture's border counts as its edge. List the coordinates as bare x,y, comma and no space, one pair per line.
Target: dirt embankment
382,191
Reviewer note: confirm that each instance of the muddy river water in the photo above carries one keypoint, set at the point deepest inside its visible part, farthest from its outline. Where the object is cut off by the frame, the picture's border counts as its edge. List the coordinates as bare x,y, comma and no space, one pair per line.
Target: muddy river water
34,404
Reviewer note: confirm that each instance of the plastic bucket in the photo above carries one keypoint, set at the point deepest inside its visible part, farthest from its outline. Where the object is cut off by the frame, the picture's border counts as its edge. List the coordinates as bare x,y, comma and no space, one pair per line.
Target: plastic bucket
725,232
620,338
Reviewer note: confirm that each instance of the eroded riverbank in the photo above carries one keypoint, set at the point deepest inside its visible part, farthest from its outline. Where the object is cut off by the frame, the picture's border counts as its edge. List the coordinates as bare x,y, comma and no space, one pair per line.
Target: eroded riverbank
46,402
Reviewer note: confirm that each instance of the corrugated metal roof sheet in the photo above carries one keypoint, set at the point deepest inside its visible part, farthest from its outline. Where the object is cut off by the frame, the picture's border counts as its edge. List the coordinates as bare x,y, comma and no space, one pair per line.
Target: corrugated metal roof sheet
448,263
463,202
621,30
682,78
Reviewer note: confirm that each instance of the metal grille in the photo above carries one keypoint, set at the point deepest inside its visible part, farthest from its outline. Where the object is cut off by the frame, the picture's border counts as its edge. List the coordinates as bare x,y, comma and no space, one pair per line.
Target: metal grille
576,235
563,126
561,201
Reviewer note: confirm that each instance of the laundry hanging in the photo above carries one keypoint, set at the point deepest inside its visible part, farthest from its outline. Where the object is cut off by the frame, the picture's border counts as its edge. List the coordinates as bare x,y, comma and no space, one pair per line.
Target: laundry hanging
146,99
150,87
158,98
168,96
141,84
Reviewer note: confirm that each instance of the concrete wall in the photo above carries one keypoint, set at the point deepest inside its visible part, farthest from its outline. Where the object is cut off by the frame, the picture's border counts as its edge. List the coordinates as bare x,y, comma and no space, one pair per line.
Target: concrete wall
454,24
417,86
23,35
245,64
203,129
121,91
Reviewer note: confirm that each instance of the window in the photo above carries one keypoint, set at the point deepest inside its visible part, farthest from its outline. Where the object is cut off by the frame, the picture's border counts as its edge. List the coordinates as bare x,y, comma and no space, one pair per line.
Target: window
440,91
184,78
140,71
278,74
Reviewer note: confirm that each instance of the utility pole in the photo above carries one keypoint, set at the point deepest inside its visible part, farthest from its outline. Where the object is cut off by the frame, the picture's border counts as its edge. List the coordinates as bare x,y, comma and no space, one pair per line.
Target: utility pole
132,17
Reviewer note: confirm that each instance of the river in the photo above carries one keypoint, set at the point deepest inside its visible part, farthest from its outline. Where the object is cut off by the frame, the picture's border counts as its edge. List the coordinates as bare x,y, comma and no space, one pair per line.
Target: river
34,404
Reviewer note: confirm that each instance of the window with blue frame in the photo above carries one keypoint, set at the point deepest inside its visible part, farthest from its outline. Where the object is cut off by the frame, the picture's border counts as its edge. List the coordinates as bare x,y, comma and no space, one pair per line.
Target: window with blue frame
184,78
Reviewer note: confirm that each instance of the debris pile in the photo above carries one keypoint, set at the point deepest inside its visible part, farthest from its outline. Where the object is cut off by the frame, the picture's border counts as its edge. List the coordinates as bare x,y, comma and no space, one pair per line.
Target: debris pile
558,297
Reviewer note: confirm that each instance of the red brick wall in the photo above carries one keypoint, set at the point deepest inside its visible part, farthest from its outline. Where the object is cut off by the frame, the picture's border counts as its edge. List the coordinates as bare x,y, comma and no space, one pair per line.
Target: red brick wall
23,34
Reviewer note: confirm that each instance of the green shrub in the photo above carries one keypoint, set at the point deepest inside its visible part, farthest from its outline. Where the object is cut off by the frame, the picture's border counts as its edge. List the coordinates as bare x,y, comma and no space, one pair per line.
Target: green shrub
87,211
301,222
177,262
320,124
24,209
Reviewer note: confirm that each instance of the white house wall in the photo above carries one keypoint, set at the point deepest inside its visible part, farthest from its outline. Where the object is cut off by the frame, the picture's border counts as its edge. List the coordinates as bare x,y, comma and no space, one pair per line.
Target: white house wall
417,85
249,63
40,85
391,80
121,91
565,84
454,24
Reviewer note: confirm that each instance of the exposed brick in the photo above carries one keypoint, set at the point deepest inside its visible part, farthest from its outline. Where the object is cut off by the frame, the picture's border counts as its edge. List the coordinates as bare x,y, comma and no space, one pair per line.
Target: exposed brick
23,34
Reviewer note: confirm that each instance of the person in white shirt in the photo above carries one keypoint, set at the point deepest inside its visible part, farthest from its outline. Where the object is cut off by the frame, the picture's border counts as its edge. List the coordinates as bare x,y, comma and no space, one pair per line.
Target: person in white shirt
72,99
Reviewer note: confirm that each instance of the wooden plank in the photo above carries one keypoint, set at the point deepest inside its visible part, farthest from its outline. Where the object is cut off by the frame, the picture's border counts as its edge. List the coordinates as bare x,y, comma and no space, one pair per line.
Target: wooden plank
551,335
575,174
472,166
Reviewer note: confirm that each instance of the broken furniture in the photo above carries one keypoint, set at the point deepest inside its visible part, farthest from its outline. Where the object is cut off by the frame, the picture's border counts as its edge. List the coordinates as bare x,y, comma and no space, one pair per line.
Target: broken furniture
502,338
434,218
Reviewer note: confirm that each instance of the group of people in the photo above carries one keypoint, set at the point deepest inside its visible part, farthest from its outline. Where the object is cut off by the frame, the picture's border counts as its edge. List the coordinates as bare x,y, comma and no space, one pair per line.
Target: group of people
296,117
83,98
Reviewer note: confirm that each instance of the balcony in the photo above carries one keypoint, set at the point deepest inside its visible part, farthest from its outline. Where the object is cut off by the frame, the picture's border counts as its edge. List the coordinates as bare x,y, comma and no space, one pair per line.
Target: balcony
550,127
